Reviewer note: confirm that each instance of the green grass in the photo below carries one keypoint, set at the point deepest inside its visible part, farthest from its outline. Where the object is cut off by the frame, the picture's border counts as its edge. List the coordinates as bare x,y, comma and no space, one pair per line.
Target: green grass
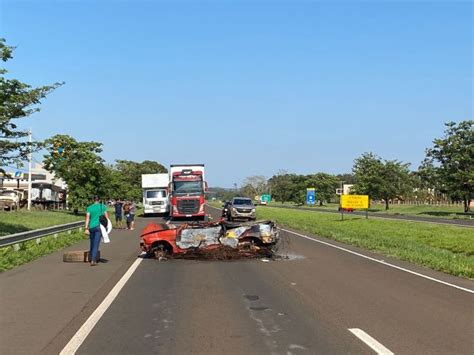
444,248
16,222
450,212
10,258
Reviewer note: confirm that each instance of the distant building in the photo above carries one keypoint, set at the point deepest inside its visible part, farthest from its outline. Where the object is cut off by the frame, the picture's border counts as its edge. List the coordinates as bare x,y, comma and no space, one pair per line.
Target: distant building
347,189
47,191
38,176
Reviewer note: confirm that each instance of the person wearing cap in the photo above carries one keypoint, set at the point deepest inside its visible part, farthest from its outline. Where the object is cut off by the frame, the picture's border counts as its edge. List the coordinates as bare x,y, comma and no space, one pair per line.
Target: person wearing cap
93,213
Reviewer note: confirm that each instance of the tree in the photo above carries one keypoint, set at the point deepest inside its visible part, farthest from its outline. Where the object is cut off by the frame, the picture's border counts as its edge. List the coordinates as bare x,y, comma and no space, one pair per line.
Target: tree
255,186
80,166
17,100
325,185
128,174
346,177
379,179
452,159
281,186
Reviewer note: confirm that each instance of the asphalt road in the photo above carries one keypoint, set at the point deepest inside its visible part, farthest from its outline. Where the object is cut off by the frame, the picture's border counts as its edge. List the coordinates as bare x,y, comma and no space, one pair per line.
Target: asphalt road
413,218
306,304
303,305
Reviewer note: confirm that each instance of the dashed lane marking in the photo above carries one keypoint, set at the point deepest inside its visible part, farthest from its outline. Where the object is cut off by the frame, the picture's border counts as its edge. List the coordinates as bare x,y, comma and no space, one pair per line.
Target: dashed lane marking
371,342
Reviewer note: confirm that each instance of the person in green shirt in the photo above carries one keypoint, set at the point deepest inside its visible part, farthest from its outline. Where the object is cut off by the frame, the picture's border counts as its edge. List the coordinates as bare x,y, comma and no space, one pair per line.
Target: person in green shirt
93,212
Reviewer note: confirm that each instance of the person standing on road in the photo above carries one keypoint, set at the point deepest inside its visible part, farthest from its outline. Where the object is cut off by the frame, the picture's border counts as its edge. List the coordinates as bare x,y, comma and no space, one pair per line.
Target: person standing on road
93,213
132,215
118,213
126,212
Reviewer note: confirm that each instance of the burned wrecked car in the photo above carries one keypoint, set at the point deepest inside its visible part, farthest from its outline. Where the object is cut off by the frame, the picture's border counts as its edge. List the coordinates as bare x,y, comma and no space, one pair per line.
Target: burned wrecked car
210,240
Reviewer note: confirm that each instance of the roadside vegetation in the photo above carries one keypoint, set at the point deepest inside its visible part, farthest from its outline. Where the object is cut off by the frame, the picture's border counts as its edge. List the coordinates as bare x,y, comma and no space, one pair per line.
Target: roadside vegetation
444,248
10,258
22,221
444,177
449,212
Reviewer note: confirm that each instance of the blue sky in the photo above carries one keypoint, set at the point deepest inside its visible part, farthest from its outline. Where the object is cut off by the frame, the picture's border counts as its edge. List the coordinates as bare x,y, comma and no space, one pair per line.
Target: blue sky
246,87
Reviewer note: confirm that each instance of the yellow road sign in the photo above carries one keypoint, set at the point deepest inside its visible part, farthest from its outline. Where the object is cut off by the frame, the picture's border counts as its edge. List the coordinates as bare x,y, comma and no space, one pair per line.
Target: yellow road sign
355,201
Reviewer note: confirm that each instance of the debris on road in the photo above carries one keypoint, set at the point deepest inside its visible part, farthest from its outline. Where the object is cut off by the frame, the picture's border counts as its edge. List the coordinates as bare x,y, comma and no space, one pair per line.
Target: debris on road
211,240
78,256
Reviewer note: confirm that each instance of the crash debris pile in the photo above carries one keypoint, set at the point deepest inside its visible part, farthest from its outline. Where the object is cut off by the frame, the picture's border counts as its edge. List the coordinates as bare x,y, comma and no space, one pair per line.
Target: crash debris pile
211,240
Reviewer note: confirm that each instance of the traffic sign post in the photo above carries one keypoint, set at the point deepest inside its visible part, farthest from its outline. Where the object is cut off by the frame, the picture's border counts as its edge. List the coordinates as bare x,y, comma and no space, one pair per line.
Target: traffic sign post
310,196
355,202
18,176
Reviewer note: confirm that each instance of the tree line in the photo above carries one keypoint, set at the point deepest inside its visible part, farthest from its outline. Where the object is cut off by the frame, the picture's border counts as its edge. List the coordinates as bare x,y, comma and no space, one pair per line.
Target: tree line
446,174
79,164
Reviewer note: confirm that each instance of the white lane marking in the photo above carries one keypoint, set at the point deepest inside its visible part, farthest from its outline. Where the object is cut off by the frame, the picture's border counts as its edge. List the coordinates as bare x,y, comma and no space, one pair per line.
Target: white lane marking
371,342
376,260
78,338
380,261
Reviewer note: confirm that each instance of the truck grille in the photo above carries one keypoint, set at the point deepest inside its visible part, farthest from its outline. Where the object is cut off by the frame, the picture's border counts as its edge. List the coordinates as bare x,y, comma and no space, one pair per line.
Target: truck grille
188,206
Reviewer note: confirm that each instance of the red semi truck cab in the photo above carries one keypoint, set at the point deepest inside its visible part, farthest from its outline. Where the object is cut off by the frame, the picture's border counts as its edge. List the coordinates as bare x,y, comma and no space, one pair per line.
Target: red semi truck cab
187,189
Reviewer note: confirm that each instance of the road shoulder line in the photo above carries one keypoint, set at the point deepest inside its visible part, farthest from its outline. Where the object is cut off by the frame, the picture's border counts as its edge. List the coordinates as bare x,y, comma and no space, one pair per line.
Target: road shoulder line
380,261
374,259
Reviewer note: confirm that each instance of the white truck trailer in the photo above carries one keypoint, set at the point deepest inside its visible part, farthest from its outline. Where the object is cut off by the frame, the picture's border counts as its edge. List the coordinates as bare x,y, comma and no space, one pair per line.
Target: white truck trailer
155,193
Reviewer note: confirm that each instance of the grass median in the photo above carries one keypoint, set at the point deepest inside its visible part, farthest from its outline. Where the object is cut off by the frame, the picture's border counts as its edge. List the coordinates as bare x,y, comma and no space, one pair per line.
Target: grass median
22,221
430,211
10,258
440,247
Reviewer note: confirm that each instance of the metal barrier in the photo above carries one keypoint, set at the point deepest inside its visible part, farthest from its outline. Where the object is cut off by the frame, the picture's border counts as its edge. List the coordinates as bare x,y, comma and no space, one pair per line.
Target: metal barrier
17,238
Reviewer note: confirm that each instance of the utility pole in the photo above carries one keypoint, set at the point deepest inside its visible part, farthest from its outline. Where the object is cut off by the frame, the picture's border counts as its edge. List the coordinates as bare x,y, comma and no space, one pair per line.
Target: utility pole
30,157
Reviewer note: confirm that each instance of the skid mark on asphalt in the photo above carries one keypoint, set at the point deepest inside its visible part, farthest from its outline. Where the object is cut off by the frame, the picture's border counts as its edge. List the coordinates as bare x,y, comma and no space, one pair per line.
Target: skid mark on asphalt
162,323
264,317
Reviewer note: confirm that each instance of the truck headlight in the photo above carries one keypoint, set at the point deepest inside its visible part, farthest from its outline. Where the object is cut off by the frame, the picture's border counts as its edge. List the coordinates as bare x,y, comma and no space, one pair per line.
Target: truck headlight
253,210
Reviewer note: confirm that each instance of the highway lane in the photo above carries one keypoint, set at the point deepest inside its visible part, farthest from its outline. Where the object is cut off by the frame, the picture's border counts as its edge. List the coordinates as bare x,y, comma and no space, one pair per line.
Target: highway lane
303,305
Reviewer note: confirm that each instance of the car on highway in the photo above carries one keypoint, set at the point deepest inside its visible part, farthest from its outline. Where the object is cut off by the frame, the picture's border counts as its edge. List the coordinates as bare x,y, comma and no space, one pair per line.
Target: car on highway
241,208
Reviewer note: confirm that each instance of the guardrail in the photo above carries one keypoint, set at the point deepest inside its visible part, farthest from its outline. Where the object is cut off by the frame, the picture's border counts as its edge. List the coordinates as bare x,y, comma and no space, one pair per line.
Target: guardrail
17,238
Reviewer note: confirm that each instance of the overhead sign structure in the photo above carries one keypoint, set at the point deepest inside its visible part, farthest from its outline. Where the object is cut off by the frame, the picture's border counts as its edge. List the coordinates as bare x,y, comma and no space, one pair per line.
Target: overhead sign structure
310,196
355,201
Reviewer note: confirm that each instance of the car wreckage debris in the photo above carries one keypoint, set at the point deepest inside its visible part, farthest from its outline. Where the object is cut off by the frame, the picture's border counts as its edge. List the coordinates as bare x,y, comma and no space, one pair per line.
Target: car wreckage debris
211,240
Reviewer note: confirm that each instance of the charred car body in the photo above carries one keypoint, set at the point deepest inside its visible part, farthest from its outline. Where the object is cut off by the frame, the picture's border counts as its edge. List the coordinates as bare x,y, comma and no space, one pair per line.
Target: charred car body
218,240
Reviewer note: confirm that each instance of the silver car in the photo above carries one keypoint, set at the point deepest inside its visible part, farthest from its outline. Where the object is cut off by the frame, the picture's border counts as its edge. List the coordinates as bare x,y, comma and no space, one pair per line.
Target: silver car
241,208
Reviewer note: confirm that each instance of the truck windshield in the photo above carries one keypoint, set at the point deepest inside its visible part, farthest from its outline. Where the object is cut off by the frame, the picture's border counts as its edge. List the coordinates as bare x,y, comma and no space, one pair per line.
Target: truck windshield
188,187
156,194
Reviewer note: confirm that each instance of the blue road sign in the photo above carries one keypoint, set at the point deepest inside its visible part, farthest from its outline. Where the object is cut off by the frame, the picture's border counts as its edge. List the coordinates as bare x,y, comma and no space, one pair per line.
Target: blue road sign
310,196
18,174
